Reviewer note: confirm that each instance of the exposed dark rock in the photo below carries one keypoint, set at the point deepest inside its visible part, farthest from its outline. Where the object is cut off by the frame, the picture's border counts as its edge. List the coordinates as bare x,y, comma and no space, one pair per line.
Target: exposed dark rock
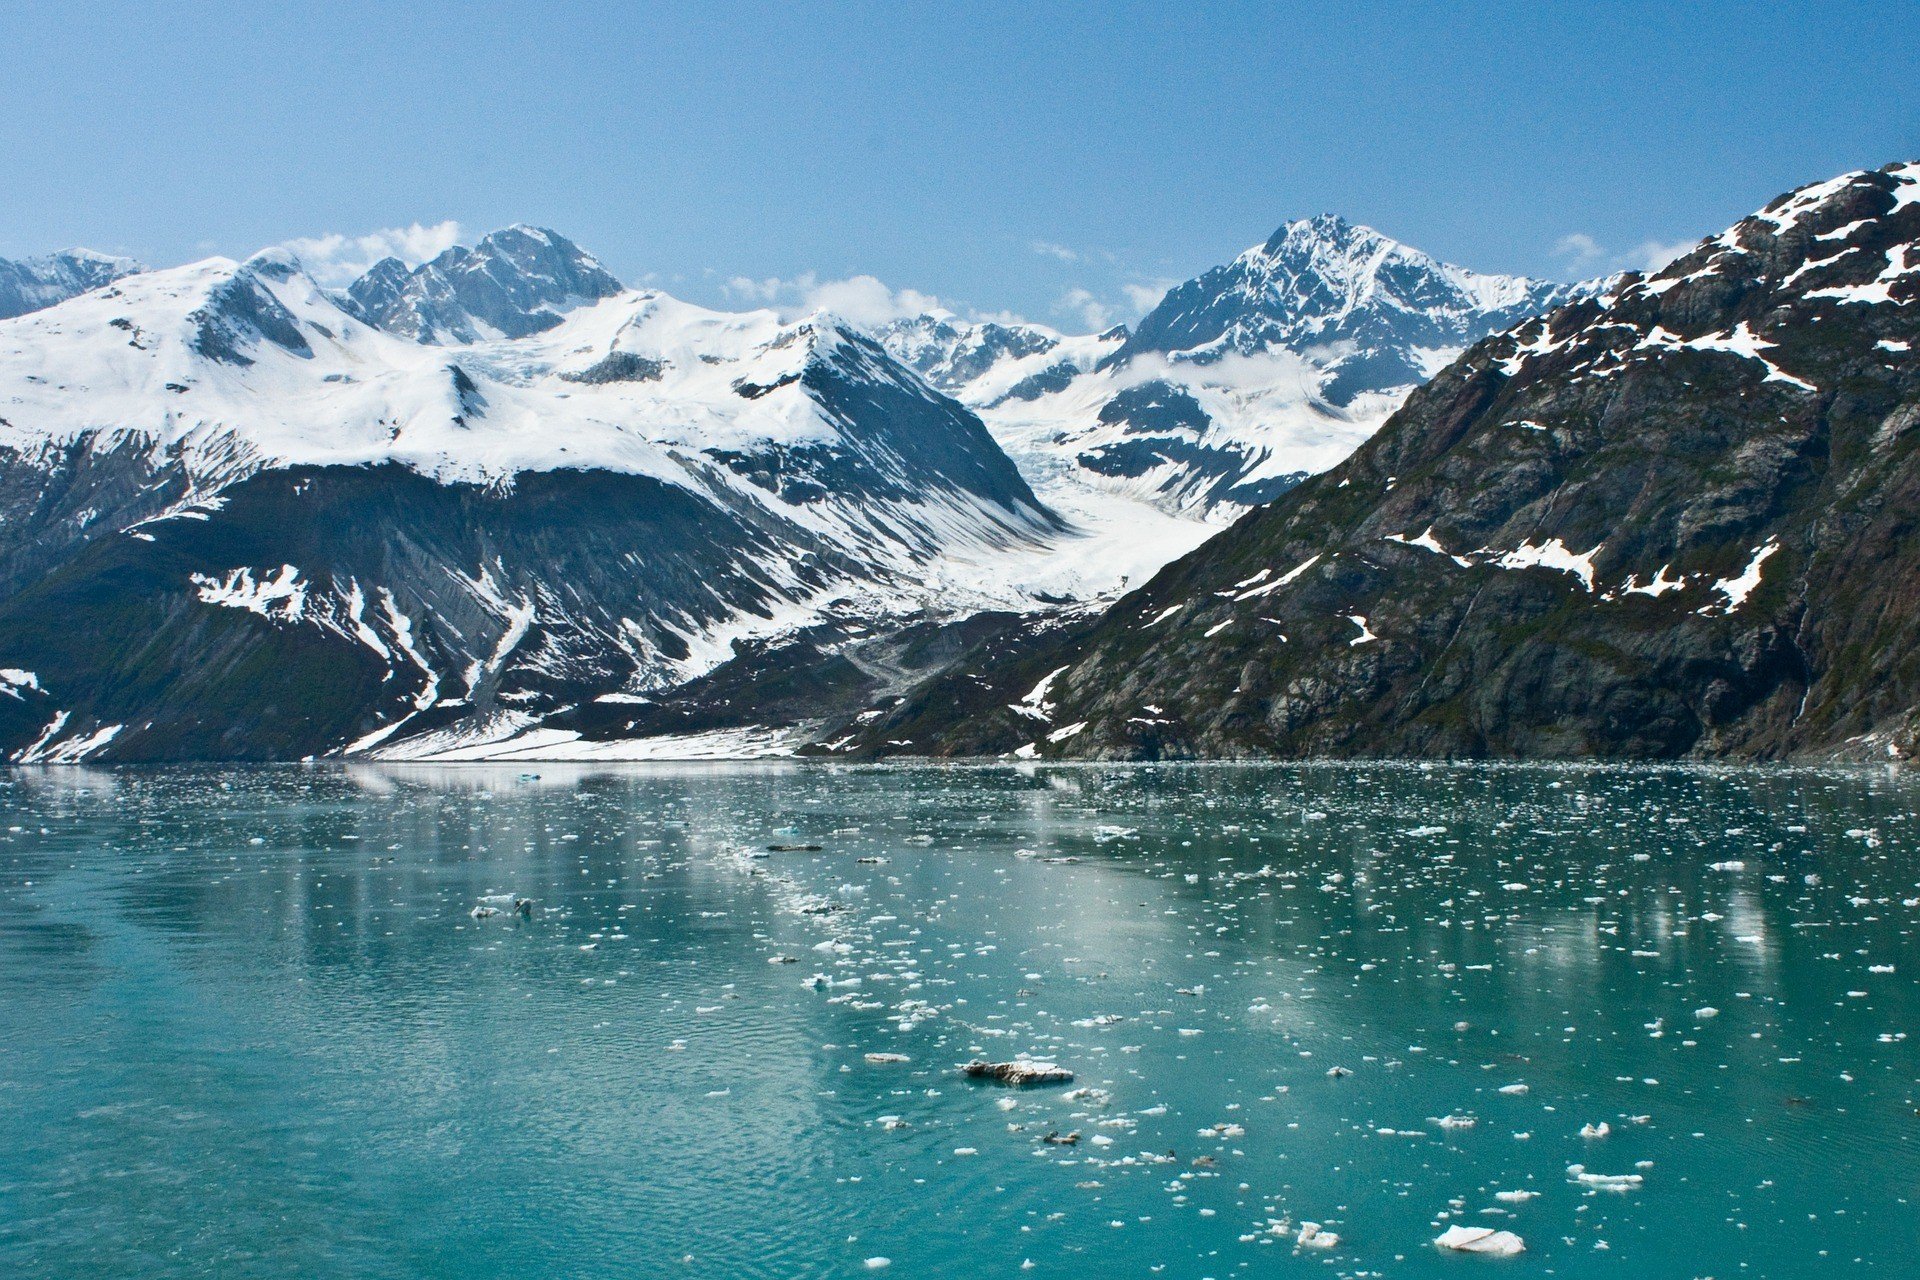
1019,1072
1677,521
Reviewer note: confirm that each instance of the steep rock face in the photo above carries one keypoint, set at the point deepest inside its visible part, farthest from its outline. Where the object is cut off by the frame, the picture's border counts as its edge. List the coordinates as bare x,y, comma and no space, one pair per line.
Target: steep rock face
33,283
1674,520
319,609
517,281
244,524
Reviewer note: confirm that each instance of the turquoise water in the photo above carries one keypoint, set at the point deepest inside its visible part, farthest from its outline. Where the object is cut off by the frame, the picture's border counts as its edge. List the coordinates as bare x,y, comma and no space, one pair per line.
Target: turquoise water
251,1029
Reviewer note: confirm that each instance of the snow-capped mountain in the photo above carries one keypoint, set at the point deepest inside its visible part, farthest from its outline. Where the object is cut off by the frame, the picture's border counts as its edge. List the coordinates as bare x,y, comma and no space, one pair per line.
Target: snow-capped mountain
1241,382
1373,313
32,283
517,281
245,523
498,504
989,363
1673,519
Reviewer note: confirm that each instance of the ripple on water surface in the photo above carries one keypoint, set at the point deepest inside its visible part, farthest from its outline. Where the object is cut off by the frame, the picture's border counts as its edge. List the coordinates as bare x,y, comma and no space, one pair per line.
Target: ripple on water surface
1651,1022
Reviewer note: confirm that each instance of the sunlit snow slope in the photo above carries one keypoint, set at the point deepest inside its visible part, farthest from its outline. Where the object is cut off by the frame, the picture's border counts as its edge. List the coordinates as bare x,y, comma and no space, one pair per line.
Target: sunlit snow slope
1240,383
246,522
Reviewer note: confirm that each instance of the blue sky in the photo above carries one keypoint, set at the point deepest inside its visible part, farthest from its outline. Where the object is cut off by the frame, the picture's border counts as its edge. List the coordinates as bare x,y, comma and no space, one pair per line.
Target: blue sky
1061,162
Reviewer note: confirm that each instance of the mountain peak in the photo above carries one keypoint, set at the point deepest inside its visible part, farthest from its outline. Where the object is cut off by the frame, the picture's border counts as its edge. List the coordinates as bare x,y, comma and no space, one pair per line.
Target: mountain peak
1361,298
515,281
1671,520
42,281
1320,227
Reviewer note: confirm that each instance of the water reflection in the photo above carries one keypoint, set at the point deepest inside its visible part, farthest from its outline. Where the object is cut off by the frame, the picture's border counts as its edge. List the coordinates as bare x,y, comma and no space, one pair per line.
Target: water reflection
256,1028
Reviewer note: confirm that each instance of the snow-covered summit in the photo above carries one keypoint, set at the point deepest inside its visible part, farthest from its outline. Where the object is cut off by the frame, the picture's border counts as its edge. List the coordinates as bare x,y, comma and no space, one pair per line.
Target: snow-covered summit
1240,382
231,367
1379,313
988,362
496,530
516,281
32,283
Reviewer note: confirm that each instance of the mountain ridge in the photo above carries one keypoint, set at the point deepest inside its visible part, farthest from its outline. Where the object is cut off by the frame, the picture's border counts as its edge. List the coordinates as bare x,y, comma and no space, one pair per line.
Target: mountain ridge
288,531
1241,381
31,284
1664,521
226,468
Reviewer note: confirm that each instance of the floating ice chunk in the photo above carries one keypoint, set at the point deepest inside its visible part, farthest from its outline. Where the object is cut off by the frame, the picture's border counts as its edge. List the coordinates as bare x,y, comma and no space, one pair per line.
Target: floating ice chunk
1605,1181
1312,1236
1501,1244
1600,1130
1706,1011
1020,1071
879,1263
881,1059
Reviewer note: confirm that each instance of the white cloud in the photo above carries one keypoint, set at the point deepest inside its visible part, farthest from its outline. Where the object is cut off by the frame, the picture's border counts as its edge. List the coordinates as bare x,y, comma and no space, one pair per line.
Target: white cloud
337,259
1586,256
1085,307
1097,312
1651,255
864,300
1579,248
1002,316
1145,296
766,292
1051,250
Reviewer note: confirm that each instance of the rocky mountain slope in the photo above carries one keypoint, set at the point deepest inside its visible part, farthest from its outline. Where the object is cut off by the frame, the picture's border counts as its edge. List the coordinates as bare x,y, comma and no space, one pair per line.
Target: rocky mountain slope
1240,383
33,283
1674,520
244,523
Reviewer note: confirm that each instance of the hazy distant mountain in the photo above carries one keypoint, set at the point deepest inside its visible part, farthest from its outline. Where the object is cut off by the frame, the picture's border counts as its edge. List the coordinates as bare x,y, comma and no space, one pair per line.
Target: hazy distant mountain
33,283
